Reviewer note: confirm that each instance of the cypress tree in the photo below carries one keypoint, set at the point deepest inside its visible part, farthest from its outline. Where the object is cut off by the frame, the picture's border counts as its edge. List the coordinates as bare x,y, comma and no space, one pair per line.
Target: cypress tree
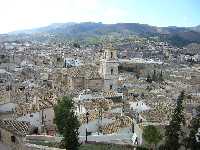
161,76
195,125
174,131
154,76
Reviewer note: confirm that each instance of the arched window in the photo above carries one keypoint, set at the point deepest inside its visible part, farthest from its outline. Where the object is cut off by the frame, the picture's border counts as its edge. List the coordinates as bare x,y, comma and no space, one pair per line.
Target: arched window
13,139
111,54
111,71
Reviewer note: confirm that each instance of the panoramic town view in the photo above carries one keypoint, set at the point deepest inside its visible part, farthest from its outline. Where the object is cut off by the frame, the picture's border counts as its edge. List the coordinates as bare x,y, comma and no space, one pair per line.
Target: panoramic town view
100,75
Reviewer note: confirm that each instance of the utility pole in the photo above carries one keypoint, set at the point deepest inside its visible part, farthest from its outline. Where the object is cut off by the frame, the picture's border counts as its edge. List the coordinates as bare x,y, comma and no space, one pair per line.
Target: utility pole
43,122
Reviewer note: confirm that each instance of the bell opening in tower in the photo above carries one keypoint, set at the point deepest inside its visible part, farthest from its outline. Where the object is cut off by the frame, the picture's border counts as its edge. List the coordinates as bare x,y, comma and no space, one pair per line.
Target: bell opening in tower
111,71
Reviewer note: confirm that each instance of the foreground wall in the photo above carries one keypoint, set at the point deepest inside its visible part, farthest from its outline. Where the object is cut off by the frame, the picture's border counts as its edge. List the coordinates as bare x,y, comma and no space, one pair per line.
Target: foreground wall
38,147
17,144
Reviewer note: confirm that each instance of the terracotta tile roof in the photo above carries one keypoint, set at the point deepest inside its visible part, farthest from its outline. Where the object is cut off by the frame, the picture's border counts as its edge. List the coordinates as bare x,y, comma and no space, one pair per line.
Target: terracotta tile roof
115,126
92,116
87,71
42,103
91,72
20,128
75,72
98,103
109,94
160,112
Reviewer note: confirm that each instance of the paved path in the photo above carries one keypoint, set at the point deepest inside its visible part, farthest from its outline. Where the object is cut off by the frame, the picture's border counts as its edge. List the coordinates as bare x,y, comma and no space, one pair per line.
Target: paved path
4,147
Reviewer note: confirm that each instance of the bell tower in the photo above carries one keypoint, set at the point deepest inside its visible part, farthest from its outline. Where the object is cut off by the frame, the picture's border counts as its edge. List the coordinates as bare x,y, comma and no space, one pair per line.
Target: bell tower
109,68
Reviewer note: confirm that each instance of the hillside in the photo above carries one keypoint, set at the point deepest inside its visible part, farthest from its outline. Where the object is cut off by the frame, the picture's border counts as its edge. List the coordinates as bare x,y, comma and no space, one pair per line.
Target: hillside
177,36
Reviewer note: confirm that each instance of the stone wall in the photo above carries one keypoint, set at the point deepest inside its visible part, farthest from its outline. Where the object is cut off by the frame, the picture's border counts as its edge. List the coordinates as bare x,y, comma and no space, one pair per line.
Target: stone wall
6,139
77,83
95,84
107,66
48,114
109,83
38,147
43,138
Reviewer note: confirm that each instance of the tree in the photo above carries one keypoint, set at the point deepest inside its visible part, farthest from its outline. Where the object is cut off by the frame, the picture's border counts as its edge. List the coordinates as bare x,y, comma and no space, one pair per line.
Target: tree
174,131
67,123
152,136
154,76
192,139
160,78
149,80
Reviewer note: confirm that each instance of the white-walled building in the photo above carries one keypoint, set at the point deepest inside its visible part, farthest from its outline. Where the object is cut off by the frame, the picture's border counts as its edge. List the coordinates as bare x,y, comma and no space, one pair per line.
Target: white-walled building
72,62
138,106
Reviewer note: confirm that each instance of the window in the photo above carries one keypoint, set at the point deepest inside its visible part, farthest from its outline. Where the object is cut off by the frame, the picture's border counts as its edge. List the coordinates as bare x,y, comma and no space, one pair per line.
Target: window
35,131
110,87
13,139
111,54
111,71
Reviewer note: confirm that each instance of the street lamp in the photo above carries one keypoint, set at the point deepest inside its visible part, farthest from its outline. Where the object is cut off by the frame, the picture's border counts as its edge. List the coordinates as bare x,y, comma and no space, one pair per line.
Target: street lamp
123,109
100,118
87,115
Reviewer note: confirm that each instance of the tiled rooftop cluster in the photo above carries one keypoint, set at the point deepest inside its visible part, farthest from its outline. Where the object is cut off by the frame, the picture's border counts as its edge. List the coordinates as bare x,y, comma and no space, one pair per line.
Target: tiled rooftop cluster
16,127
98,103
115,126
43,102
86,71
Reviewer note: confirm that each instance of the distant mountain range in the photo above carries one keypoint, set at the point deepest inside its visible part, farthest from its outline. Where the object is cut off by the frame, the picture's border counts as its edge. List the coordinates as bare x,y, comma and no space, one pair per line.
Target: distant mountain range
178,36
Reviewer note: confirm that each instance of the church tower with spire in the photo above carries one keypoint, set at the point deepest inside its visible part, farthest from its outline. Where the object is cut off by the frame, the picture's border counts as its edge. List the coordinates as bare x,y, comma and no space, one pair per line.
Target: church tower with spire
109,68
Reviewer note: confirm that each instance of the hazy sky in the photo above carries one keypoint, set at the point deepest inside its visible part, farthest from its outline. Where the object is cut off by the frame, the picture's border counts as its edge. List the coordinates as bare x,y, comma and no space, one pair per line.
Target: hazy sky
24,14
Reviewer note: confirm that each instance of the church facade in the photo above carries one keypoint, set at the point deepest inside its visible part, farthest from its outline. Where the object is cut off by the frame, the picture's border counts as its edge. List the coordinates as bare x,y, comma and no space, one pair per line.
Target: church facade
104,77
